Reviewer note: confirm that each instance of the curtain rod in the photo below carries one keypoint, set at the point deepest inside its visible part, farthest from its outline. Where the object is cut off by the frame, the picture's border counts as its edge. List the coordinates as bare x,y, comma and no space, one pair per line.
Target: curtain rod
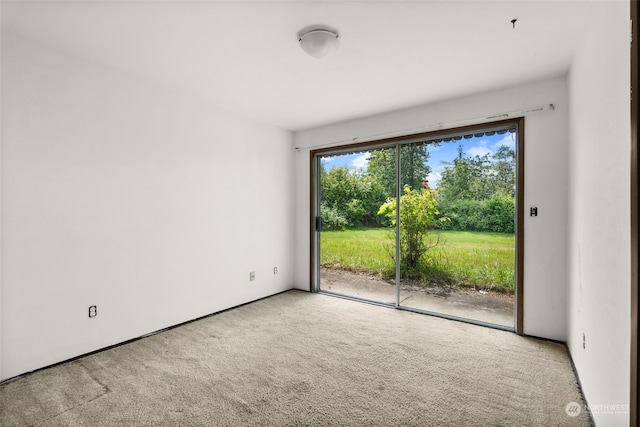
436,126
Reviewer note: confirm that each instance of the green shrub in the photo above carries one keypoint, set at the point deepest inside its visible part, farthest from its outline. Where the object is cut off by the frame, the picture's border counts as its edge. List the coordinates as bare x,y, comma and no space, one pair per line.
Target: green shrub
331,218
417,215
496,214
353,196
500,214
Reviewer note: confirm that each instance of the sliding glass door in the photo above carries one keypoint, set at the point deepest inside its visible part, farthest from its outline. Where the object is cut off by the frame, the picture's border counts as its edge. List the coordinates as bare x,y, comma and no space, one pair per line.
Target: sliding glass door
427,224
457,226
355,244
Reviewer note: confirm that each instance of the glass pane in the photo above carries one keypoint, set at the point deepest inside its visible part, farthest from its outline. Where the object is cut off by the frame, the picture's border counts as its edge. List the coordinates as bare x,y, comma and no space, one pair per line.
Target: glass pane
357,246
457,226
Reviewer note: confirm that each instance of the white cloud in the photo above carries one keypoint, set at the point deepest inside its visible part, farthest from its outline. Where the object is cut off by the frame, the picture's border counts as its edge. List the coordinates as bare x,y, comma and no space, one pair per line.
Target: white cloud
361,161
434,178
479,150
327,159
508,140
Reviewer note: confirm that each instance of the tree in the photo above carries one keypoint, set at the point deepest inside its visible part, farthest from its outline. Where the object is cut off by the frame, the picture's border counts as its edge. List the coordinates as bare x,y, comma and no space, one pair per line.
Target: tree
504,164
413,166
349,198
478,193
479,177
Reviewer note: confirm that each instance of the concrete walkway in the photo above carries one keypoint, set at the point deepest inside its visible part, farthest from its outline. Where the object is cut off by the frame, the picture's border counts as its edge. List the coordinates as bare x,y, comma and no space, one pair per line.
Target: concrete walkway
490,307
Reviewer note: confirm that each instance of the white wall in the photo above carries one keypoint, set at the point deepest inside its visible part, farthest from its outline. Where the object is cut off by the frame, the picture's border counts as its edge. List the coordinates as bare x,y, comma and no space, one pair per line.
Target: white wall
1,245
123,194
545,185
599,221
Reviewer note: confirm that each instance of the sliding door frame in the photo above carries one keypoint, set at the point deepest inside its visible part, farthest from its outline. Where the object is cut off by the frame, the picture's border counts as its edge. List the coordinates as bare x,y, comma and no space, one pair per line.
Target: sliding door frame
634,400
395,142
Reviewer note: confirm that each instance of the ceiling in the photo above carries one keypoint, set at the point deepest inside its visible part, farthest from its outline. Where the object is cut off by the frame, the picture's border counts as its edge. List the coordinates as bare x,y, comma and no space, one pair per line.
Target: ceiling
243,56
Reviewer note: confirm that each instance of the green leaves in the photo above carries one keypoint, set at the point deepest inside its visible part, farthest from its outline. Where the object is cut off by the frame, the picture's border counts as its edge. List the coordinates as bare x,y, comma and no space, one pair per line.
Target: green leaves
479,177
478,193
331,218
417,216
496,214
352,196
414,166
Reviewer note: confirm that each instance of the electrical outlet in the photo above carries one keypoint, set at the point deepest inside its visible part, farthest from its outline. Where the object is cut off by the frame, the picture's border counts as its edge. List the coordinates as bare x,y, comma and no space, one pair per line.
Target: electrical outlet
275,270
252,276
93,311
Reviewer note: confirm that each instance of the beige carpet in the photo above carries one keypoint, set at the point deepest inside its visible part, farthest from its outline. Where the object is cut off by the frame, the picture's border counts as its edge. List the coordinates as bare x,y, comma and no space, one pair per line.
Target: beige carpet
307,359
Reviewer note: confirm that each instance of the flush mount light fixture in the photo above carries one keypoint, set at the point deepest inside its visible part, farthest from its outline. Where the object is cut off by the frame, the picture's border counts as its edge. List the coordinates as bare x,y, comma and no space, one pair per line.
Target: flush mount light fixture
319,42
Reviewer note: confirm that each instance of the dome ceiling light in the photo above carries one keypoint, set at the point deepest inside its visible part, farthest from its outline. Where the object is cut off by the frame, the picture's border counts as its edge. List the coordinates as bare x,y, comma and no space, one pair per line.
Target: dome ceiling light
319,42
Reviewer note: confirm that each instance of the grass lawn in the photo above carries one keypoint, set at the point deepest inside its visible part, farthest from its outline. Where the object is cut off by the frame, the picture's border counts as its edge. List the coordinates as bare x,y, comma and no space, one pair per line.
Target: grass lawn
461,258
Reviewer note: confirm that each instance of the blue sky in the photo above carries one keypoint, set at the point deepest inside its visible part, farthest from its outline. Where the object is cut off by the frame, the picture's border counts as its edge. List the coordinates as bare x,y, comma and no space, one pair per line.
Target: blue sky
445,152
